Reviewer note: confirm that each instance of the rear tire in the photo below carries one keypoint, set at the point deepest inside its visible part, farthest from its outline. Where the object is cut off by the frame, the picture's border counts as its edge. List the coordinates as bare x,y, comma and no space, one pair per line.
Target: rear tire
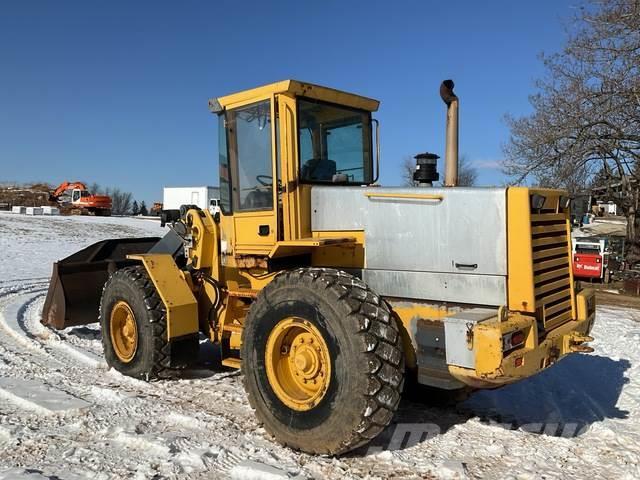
130,289
364,348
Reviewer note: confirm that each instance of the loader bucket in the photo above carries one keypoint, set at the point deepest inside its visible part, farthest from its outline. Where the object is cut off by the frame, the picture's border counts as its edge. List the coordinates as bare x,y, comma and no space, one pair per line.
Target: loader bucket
76,282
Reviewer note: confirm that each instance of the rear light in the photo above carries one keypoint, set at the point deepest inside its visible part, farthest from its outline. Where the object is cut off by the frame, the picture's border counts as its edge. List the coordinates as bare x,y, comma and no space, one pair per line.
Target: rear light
577,259
519,361
598,260
512,340
517,338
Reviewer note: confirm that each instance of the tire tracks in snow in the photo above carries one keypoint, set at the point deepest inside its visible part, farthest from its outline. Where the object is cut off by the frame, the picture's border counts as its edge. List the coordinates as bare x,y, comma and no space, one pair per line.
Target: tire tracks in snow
44,355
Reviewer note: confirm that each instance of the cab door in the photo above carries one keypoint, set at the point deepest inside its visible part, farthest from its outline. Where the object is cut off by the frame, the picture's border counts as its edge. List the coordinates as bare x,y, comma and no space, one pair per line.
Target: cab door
252,152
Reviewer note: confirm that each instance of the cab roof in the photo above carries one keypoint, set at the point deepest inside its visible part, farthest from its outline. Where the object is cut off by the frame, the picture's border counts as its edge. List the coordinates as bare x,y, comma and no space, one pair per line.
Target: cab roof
297,88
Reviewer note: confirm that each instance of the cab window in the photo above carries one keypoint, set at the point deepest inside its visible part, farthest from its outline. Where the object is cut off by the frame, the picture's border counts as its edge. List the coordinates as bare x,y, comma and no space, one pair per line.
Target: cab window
334,143
249,147
223,166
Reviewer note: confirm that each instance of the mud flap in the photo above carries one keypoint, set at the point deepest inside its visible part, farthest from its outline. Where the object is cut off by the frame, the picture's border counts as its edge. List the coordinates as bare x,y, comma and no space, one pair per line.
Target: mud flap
76,282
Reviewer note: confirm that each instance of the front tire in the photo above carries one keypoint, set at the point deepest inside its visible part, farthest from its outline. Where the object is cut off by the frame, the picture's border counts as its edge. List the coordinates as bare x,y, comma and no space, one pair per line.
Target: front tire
134,325
344,395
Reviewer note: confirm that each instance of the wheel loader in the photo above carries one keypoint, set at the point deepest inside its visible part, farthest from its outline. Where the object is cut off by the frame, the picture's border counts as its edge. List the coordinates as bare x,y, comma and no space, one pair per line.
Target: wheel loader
327,290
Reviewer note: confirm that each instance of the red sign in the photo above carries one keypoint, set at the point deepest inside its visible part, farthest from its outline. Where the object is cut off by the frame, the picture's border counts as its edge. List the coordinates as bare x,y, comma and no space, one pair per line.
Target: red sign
587,265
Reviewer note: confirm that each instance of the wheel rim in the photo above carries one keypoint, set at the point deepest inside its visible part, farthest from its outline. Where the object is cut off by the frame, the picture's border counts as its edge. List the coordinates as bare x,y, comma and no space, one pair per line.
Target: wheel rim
298,363
124,332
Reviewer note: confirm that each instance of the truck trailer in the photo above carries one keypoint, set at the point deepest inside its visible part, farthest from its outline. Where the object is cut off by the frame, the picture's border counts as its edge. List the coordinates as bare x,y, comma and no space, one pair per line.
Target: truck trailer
205,198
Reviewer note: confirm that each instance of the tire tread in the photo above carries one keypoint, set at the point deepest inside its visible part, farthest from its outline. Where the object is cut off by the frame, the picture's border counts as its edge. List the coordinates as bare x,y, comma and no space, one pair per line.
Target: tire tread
370,321
137,277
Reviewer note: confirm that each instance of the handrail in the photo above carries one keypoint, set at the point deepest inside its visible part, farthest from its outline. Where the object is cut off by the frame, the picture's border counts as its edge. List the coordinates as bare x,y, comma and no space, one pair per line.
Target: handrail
374,120
415,196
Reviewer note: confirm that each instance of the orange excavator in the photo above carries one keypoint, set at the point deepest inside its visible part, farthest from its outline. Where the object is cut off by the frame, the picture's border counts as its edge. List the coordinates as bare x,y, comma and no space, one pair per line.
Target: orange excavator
75,198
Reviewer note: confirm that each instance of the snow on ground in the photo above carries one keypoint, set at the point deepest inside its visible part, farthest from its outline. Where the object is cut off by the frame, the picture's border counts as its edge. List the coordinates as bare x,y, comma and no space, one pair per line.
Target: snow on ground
603,226
64,415
29,244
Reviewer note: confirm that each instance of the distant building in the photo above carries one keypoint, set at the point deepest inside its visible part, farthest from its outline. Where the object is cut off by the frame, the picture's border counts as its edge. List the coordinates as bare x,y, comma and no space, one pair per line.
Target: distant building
607,208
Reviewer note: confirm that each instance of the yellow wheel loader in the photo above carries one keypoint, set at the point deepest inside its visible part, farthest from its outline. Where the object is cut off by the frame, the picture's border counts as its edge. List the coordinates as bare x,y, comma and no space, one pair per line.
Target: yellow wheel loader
327,290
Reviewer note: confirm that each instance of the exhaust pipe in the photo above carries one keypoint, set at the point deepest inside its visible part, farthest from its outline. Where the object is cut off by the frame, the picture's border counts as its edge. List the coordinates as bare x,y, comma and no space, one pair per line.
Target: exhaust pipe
451,156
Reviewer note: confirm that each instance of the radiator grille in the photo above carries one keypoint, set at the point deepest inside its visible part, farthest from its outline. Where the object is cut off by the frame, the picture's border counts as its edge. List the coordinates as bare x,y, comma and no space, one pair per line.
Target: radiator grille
551,267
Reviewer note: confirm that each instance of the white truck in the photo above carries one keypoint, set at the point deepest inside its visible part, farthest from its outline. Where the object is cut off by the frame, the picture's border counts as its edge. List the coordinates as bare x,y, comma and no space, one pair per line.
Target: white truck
204,197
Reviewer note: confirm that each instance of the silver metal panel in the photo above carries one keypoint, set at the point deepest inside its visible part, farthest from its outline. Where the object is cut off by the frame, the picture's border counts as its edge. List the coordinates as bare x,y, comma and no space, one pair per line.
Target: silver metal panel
338,208
467,227
456,333
429,341
436,286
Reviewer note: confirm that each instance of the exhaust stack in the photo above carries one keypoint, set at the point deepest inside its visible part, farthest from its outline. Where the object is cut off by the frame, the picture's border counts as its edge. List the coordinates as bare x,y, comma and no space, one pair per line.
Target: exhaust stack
451,156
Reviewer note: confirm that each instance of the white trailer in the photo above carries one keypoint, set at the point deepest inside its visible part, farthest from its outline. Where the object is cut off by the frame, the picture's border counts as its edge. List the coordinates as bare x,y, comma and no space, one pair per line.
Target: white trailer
203,197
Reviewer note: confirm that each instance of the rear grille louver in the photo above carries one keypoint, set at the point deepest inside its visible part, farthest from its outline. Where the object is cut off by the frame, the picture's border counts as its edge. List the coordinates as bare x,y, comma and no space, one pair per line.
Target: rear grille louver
551,267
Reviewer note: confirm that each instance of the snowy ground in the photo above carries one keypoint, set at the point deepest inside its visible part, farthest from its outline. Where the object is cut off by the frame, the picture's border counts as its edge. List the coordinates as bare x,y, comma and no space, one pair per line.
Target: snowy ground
603,226
64,415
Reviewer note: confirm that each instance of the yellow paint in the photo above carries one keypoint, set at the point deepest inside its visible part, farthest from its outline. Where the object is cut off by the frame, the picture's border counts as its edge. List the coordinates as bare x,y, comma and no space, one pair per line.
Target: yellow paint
177,297
307,245
586,303
203,253
232,321
407,314
297,88
524,262
123,331
247,227
520,264
288,147
494,369
298,363
346,255
207,296
408,311
487,347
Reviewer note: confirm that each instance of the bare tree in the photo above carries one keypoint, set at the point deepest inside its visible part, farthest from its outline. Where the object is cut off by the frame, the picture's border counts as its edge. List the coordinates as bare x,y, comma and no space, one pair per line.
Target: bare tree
407,167
586,115
467,172
121,202
95,188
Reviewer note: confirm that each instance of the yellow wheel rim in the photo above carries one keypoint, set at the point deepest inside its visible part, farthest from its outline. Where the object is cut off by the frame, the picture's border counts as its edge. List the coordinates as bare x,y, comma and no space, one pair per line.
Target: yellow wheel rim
298,363
124,332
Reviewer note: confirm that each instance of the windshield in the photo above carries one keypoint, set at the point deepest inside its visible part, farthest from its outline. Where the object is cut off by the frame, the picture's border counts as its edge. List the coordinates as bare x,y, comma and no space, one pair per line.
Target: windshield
334,143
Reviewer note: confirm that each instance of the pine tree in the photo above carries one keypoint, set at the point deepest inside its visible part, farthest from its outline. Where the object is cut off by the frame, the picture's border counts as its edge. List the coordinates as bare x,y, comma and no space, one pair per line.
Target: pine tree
135,210
143,209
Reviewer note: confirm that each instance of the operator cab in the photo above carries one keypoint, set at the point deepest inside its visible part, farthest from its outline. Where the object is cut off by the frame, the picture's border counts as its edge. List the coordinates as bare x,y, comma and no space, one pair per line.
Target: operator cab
299,134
